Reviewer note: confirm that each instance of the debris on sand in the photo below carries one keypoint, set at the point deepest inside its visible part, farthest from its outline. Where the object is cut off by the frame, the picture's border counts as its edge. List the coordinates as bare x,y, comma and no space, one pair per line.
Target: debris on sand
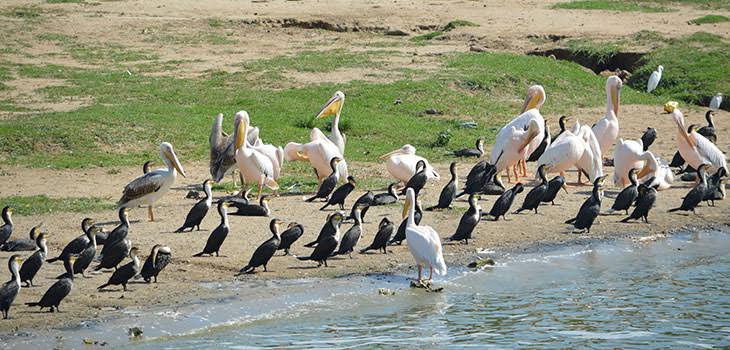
386,291
481,262
427,286
135,332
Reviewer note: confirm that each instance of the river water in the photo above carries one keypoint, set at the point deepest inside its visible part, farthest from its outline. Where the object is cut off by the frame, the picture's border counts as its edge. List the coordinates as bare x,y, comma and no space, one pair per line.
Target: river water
670,293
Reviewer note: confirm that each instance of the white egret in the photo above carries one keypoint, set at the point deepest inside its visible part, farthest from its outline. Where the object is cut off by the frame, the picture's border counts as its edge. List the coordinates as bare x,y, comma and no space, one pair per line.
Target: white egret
654,79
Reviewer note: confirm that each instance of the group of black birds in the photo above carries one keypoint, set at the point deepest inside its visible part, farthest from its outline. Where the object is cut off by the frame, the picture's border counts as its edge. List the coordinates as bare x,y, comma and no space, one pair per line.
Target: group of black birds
77,256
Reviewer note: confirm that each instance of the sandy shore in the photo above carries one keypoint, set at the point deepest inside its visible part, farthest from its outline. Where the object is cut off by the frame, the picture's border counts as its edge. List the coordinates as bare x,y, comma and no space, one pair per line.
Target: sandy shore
179,283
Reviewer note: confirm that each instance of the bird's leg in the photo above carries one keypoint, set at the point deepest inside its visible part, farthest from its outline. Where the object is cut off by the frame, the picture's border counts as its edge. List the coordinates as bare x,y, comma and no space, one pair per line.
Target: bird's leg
430,273
260,189
523,164
420,273
150,213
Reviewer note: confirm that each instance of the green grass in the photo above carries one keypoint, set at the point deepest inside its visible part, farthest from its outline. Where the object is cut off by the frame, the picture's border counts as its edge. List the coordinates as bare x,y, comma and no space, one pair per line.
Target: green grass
709,19
131,114
448,27
611,5
96,53
693,71
24,12
599,51
191,39
316,61
42,204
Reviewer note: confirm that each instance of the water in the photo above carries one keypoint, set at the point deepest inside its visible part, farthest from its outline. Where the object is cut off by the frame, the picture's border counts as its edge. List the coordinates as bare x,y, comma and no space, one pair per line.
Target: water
672,293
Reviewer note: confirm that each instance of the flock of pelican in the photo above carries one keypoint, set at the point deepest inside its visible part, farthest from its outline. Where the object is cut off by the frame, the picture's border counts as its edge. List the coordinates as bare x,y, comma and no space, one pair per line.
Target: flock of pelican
526,138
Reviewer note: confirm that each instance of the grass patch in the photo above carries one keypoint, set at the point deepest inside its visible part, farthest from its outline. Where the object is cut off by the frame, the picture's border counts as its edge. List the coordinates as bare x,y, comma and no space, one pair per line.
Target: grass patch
599,51
692,70
24,12
96,53
611,5
191,39
448,27
709,19
316,61
42,204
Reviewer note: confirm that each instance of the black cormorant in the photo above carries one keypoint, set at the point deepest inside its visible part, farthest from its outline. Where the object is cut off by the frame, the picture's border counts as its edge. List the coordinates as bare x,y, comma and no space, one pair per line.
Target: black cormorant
59,290
364,202
400,234
543,145
119,233
554,186
7,228
534,197
266,250
117,246
159,258
380,242
328,183
561,123
644,203
23,244
261,209
125,273
331,226
590,209
86,256
504,202
448,193
78,244
648,138
477,151
715,187
469,221
351,237
709,131
418,181
216,238
696,194
327,244
198,212
291,235
33,264
389,197
9,290
628,195
341,193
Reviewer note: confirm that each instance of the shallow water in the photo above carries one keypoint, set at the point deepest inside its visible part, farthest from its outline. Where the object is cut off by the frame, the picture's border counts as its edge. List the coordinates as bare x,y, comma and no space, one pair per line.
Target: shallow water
674,292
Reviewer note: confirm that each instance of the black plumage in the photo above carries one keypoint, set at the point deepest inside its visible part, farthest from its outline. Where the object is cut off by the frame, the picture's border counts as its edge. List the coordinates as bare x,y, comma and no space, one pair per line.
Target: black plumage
266,250
291,235
329,228
468,221
118,234
238,200
561,123
198,212
644,203
86,256
543,145
481,180
23,244
677,160
328,183
340,194
159,258
534,197
389,197
59,290
477,151
709,131
261,209
117,246
78,244
33,264
327,244
502,205
628,195
125,273
648,138
146,166
7,228
696,194
448,193
219,234
380,242
400,233
715,187
9,290
554,186
351,237
364,203
418,181
590,208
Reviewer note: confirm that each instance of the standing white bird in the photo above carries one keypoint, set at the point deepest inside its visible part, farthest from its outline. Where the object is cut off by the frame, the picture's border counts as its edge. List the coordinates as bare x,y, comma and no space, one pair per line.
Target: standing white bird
654,79
606,129
564,153
423,241
334,107
401,164
222,151
149,188
630,154
695,148
319,152
716,102
255,166
530,111
513,146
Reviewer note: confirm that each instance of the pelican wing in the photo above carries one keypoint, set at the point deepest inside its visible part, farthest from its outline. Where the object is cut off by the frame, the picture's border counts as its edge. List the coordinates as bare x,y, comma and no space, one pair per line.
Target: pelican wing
564,153
425,246
142,186
709,151
520,122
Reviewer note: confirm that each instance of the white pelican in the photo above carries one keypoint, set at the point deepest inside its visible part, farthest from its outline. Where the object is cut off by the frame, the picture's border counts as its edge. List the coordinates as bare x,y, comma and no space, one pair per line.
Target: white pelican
222,151
630,154
660,173
514,145
654,79
276,154
255,166
149,188
319,152
530,111
564,153
401,164
592,160
695,148
716,102
334,107
423,241
606,130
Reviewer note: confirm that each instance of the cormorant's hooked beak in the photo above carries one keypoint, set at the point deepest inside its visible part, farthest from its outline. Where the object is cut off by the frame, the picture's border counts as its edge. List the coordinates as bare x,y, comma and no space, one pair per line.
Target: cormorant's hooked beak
564,187
333,106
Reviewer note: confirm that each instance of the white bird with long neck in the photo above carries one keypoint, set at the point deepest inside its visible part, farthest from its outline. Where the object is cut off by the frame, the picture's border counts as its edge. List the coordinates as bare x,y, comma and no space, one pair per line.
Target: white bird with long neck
514,146
630,154
592,160
695,148
563,154
606,129
716,102
334,107
255,167
401,164
530,112
149,188
423,241
654,79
